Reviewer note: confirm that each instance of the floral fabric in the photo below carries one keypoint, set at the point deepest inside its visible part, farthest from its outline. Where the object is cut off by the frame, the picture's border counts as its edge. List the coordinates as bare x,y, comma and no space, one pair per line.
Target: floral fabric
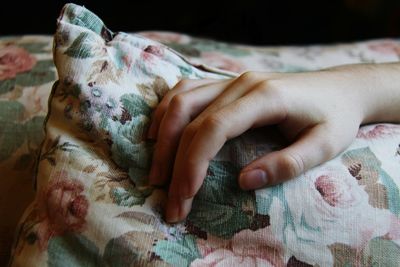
93,206
27,73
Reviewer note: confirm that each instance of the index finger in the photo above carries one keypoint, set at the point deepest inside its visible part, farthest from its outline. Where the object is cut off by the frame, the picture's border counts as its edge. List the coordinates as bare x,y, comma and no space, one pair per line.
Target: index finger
192,161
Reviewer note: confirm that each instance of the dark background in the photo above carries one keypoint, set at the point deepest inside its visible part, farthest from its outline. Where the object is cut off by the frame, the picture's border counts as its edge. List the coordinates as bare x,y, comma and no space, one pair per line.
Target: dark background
246,21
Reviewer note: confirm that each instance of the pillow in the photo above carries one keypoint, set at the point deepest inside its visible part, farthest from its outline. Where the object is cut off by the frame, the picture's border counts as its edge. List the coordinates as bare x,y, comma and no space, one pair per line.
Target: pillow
94,207
26,75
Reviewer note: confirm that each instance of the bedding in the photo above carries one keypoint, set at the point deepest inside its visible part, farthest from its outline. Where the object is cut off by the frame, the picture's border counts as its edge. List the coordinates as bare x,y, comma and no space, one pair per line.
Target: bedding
91,203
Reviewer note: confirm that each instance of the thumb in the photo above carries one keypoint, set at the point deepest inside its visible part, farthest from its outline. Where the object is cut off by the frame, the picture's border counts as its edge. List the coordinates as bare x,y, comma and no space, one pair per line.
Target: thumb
315,146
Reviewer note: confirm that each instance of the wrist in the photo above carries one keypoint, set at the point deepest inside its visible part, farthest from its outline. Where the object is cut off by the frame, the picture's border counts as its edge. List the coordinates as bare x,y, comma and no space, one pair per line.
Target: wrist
376,88
382,93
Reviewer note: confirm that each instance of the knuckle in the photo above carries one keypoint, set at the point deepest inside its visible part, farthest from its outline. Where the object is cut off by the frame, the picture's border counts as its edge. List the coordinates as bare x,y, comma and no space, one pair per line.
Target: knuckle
160,109
293,164
262,88
182,84
190,130
264,84
248,76
213,122
178,102
159,113
270,87
178,107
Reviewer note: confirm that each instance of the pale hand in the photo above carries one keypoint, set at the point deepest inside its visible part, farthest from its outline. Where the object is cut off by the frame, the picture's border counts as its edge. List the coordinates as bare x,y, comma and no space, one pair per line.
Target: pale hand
319,112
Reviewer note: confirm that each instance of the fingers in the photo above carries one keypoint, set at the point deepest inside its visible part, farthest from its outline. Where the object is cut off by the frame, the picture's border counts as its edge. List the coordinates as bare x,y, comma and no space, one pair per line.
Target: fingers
317,145
181,109
158,114
200,142
234,90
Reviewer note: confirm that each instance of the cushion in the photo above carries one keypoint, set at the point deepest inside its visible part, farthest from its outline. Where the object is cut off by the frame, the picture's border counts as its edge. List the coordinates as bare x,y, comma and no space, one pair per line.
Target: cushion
26,75
94,207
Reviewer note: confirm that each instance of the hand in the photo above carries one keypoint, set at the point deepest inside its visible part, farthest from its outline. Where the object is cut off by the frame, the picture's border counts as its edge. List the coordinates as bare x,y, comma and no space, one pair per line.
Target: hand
319,112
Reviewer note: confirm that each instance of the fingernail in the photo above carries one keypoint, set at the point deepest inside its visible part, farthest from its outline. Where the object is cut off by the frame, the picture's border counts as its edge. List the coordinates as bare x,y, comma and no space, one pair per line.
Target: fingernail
172,210
186,206
253,179
177,209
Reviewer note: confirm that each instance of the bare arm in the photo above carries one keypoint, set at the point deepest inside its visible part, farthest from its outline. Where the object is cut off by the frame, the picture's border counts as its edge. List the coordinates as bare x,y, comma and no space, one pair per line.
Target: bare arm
320,112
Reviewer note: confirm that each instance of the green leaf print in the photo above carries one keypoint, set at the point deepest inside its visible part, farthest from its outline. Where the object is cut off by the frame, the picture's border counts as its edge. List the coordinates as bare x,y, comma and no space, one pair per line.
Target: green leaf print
131,196
393,194
129,249
186,71
72,250
128,149
10,111
381,252
34,130
265,197
221,208
185,49
178,253
80,47
84,18
7,86
118,254
135,105
12,132
369,172
377,252
43,72
36,47
11,138
205,45
219,220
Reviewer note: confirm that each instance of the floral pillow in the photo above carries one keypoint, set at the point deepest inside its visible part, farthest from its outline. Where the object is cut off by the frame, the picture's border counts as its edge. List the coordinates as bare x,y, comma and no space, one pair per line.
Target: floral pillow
94,207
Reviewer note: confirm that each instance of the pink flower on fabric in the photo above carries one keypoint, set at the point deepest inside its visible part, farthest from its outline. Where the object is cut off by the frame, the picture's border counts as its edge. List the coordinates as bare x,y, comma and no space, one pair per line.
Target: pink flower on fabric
385,47
378,131
335,191
221,61
62,208
246,248
328,201
151,52
14,60
166,37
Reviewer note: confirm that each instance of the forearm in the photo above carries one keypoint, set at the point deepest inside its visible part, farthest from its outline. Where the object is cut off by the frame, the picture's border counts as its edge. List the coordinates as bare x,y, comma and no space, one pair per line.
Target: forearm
378,86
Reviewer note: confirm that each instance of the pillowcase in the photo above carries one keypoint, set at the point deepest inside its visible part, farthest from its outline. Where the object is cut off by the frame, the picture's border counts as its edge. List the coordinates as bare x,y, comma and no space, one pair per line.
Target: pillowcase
94,207
26,75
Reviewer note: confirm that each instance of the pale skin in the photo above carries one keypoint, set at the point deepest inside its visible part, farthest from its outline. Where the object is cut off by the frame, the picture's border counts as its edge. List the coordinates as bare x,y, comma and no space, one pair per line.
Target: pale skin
318,112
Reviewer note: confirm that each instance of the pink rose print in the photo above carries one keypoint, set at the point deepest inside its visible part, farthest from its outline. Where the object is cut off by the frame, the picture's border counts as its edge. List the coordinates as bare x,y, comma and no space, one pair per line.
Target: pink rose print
221,61
166,37
14,60
334,206
342,195
377,131
247,248
334,191
151,52
386,47
62,208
